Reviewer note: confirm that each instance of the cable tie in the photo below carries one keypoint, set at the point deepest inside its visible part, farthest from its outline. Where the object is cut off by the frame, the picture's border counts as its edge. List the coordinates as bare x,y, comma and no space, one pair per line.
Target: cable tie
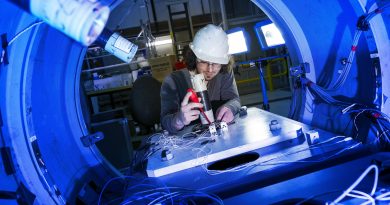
376,115
309,83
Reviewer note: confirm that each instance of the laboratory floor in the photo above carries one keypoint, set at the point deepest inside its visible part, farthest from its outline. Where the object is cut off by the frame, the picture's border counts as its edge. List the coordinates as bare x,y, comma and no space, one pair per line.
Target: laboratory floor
279,101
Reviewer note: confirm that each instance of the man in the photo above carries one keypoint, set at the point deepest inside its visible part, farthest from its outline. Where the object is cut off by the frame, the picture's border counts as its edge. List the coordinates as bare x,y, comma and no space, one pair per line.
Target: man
208,55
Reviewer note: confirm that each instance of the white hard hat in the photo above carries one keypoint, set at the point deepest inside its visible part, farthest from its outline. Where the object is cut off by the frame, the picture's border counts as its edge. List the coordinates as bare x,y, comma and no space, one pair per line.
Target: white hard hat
211,44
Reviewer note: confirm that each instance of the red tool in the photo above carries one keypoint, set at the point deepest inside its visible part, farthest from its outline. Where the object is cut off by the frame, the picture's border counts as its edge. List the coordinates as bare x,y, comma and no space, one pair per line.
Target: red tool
194,98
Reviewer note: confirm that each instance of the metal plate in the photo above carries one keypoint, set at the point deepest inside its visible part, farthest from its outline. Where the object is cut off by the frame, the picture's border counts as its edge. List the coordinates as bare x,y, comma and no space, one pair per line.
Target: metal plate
248,133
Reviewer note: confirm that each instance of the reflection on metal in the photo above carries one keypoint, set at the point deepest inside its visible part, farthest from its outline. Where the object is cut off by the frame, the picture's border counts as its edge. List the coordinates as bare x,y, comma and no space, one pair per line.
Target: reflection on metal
248,133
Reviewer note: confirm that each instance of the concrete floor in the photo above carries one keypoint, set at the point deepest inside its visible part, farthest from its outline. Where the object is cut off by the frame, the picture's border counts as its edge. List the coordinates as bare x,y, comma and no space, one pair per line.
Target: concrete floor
279,101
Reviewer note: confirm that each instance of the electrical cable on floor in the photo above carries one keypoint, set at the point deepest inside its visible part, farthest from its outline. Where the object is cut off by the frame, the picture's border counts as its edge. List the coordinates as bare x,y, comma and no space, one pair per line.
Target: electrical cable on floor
356,183
383,197
362,195
175,195
107,183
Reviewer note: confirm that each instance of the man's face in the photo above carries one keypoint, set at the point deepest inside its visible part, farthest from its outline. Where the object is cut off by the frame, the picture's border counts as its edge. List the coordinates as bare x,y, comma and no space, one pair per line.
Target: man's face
209,70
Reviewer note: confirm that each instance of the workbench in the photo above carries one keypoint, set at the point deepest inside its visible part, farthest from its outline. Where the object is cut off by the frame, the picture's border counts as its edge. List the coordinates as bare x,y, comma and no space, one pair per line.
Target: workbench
278,161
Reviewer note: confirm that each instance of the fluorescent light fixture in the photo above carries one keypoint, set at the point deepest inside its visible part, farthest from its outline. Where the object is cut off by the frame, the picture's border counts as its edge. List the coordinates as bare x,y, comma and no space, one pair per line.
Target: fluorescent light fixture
237,41
269,35
272,35
162,40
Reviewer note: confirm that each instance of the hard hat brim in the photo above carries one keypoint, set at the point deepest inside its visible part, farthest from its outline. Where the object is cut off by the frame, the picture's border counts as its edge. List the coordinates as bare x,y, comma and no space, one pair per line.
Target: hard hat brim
206,57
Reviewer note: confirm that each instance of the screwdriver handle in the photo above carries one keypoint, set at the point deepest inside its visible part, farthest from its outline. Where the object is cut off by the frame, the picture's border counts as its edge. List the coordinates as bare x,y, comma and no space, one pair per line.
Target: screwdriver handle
194,97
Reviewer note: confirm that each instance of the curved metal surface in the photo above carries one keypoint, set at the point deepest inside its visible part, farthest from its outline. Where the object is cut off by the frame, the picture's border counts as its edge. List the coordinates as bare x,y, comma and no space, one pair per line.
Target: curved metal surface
42,114
41,109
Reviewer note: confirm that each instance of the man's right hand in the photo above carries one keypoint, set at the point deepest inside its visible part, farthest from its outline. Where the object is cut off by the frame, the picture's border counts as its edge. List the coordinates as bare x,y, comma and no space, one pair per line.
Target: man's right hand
189,111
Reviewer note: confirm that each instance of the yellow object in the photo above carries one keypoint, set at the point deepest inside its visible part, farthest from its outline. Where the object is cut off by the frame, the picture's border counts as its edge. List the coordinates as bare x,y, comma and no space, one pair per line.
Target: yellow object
269,74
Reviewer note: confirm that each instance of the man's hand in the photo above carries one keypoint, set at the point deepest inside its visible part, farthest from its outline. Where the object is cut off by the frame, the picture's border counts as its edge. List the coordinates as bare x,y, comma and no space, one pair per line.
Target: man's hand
225,114
188,112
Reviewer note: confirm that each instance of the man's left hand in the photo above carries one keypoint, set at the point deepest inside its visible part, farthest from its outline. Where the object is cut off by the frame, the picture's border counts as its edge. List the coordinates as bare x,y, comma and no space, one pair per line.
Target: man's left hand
225,114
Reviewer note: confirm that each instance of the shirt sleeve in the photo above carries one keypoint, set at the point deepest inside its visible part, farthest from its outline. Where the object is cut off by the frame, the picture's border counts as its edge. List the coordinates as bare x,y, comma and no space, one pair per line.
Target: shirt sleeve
229,92
170,104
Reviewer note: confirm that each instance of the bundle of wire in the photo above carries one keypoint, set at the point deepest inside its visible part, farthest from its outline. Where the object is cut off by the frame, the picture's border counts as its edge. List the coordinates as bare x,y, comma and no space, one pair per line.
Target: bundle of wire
185,141
160,141
365,19
382,195
190,140
294,103
382,121
152,191
369,198
323,93
345,71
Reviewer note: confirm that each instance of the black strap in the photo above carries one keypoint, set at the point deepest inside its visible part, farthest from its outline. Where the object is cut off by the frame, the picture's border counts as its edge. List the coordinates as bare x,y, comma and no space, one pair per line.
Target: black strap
4,45
22,195
6,157
1,120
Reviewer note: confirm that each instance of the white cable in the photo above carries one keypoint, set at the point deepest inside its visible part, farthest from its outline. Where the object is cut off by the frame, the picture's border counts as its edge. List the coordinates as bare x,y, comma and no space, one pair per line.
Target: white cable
2,56
176,192
373,110
354,123
140,198
24,30
161,197
345,72
384,132
347,108
361,177
17,36
362,195
383,197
